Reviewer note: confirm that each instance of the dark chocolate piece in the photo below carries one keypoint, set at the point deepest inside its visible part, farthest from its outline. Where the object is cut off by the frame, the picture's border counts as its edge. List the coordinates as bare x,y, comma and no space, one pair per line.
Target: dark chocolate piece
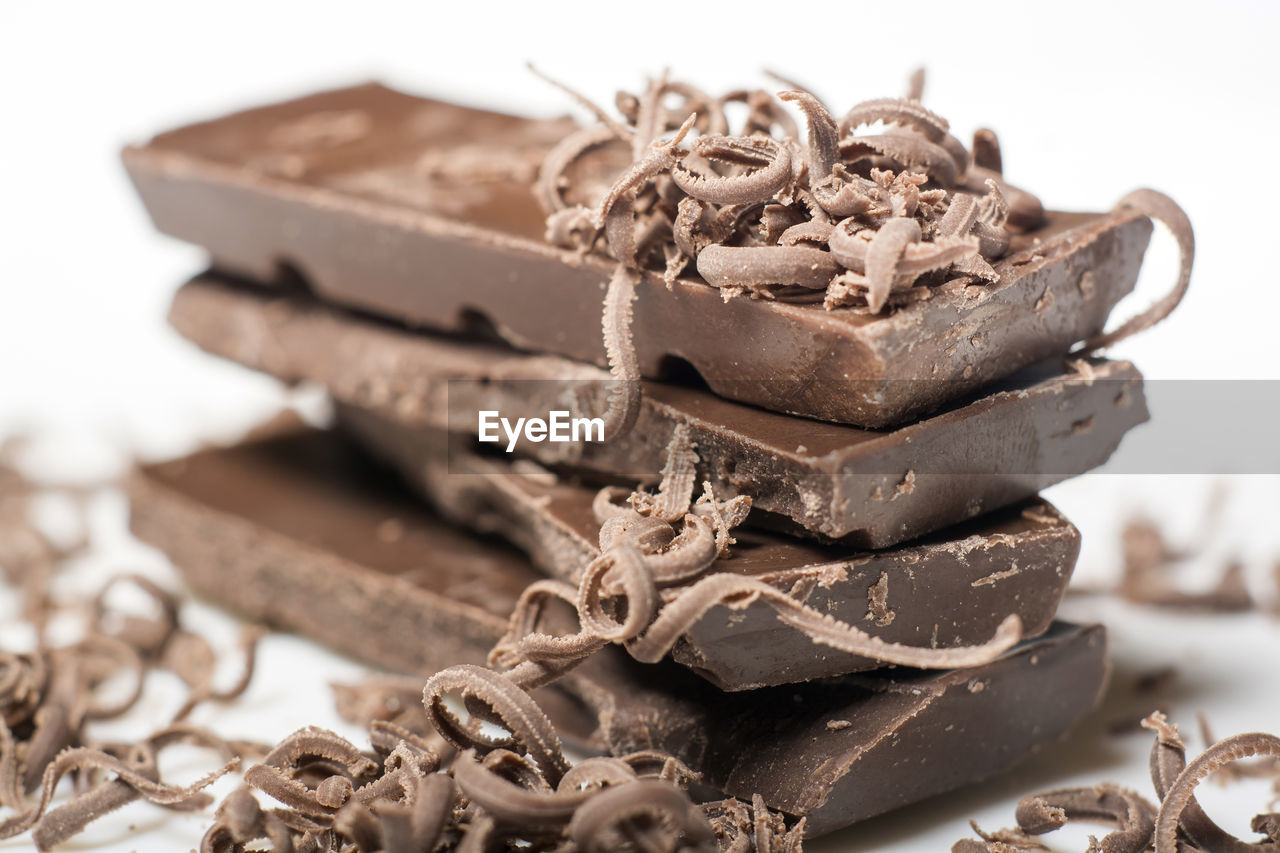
320,512
346,189
836,751
949,590
940,593
874,488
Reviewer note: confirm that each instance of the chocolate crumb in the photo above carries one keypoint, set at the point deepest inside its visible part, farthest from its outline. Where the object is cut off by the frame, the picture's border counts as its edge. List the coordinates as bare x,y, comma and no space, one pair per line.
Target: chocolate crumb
877,602
906,486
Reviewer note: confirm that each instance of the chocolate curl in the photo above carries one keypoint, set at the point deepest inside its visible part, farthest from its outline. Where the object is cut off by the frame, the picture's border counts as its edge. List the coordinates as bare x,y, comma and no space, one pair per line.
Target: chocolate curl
80,759
1163,209
695,601
492,697
1181,796
606,815
624,399
1133,816
824,140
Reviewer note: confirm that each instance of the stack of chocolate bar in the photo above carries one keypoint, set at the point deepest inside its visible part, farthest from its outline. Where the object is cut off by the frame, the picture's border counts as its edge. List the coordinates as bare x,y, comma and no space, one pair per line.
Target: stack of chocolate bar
864,336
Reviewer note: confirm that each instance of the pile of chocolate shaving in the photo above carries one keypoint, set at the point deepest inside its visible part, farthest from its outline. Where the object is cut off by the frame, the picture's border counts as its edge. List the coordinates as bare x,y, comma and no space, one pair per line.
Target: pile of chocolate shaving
470,791
50,696
857,221
1177,825
869,212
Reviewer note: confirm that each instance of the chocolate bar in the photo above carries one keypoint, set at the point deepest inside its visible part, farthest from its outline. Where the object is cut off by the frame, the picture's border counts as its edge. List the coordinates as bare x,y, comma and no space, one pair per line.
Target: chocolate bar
874,489
425,212
313,513
944,592
298,532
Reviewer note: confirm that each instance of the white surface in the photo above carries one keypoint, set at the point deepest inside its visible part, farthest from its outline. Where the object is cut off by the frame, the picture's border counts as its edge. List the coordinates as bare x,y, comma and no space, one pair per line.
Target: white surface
1090,100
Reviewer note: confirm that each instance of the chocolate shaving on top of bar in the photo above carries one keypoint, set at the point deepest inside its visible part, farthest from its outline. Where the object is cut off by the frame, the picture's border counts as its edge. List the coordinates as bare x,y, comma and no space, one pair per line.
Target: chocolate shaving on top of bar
866,214
857,220
1161,208
713,197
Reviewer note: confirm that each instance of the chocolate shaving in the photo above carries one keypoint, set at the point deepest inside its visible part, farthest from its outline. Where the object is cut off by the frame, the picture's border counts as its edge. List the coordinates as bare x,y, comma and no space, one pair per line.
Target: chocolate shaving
494,699
1264,768
725,199
824,138
49,699
204,690
1179,812
651,584
82,759
1130,812
624,399
60,824
904,149
498,793
769,163
760,267
1177,825
904,112
1148,560
915,84
1163,209
986,151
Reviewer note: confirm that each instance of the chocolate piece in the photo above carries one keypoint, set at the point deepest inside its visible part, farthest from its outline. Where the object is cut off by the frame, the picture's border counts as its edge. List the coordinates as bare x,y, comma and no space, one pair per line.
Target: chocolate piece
1041,426
346,190
836,751
320,512
941,593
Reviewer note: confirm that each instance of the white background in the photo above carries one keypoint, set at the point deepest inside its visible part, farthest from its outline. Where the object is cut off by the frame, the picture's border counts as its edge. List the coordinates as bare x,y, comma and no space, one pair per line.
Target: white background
1090,100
